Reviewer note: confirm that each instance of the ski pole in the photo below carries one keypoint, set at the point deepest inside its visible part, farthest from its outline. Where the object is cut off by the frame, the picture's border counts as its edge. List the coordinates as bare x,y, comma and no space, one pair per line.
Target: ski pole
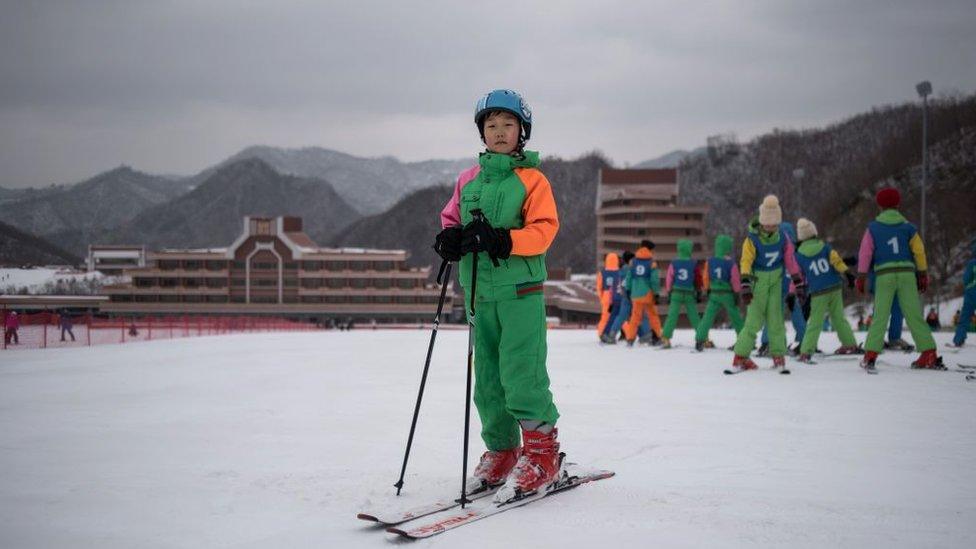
467,392
478,215
443,276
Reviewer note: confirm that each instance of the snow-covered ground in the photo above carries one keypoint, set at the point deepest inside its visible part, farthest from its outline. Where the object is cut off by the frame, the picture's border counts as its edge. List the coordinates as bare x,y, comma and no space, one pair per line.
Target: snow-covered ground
278,440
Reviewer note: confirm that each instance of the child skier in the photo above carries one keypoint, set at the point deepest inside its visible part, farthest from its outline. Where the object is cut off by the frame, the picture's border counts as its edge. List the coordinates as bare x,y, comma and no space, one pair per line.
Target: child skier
622,313
608,289
968,301
682,291
722,283
519,225
896,250
765,252
793,306
642,283
822,267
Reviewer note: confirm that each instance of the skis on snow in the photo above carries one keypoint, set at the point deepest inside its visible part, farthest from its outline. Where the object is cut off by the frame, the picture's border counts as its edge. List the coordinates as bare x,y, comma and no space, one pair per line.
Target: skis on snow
438,517
475,492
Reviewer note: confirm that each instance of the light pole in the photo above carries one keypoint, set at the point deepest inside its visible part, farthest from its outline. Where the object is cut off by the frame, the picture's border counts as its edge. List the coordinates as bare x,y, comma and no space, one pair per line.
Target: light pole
924,88
798,177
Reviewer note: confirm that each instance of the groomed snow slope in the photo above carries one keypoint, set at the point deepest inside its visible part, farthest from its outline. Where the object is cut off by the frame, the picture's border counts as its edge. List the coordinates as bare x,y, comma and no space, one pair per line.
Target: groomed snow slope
278,440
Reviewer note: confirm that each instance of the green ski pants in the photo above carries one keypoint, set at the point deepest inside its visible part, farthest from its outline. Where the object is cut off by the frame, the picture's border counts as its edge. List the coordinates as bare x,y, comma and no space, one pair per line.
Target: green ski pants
828,303
887,285
511,381
767,304
718,300
676,301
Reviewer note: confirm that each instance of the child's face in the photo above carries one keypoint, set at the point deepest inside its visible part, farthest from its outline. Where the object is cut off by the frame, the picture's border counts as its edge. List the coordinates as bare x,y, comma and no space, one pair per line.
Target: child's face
502,132
770,229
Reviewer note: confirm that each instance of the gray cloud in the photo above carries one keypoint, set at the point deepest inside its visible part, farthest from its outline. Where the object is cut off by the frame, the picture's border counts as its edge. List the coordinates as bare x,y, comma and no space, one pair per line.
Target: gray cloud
175,86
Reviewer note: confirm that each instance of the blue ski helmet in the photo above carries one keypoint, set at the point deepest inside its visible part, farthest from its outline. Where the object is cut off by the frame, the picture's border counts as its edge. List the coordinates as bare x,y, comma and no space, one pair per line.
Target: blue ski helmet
508,101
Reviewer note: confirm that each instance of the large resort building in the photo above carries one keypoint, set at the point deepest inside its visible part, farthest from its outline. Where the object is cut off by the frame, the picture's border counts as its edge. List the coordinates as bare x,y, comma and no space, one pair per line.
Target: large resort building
274,268
635,205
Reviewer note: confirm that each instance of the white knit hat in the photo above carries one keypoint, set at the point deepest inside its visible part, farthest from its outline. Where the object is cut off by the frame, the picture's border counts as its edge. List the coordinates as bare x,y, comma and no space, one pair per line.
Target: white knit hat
769,211
805,229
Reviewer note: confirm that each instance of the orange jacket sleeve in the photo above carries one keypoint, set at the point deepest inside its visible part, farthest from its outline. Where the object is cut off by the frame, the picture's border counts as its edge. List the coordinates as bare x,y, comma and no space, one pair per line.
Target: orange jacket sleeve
541,223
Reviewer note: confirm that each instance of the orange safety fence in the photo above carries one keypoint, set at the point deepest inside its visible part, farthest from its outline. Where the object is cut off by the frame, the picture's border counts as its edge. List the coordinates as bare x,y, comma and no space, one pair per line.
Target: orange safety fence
45,329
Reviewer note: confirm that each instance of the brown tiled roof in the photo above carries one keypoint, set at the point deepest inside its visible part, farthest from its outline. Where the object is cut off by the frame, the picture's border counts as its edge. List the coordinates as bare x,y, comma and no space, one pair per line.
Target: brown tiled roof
302,240
611,176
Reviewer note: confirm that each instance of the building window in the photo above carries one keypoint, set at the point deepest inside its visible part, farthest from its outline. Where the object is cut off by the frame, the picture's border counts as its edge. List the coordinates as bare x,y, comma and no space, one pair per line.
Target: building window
359,299
146,298
289,299
167,282
336,299
264,282
238,282
383,265
358,265
217,282
264,266
406,283
191,283
192,298
382,299
168,265
359,283
237,299
169,299
335,265
217,298
291,265
264,299
311,299
240,265
291,282
336,282
311,283
406,299
144,282
191,265
312,265
215,265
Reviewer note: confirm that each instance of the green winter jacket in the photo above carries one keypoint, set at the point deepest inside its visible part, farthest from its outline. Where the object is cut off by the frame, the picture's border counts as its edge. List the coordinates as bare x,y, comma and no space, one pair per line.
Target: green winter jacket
500,189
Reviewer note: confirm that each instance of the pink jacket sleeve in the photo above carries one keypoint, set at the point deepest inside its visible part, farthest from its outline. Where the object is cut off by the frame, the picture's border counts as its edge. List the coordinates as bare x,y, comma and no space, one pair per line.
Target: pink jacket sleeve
736,279
451,214
669,279
792,266
866,253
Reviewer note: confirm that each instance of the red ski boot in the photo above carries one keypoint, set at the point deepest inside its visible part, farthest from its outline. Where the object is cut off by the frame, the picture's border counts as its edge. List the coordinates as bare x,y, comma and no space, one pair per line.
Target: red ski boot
849,350
742,363
779,362
928,360
537,467
870,357
495,466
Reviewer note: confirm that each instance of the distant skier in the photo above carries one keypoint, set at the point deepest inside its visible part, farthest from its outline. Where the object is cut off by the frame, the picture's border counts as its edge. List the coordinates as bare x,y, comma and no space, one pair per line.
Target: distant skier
66,324
680,284
512,384
968,301
791,305
765,252
722,283
622,315
11,325
893,249
822,266
642,281
608,289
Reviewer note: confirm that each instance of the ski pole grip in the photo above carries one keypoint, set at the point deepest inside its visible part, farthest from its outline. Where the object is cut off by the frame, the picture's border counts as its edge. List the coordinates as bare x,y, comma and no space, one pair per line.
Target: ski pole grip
479,215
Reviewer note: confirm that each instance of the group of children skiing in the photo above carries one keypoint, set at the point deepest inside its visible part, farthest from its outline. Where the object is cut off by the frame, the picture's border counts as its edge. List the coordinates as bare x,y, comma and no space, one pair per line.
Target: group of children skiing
782,267
501,220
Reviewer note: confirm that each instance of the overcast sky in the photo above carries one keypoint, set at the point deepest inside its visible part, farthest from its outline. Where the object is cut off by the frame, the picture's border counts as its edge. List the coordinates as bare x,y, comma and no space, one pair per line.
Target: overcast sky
173,87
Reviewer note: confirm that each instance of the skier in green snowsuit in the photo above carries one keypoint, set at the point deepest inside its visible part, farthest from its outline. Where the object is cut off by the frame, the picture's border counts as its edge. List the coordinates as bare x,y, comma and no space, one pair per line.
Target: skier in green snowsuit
822,266
720,278
681,285
504,211
892,247
765,252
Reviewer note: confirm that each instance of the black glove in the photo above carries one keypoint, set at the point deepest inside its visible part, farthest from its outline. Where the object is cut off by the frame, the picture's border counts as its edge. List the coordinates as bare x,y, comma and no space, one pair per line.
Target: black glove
479,236
746,291
851,278
448,244
801,288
